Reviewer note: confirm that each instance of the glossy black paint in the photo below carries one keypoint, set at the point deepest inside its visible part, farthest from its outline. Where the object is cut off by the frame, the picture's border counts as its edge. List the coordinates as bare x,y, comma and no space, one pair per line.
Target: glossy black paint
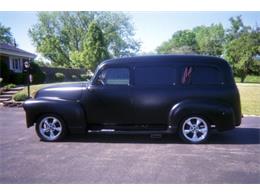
91,106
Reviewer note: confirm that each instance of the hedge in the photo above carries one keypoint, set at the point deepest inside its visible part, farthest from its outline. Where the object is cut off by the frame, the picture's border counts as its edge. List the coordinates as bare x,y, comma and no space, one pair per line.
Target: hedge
59,77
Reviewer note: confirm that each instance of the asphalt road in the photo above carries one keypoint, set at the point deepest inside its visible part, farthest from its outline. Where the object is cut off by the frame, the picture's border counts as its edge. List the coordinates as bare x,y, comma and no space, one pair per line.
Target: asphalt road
231,157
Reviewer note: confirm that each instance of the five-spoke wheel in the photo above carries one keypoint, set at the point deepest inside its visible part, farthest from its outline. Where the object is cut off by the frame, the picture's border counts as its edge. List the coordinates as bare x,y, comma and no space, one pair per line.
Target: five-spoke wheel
194,130
50,128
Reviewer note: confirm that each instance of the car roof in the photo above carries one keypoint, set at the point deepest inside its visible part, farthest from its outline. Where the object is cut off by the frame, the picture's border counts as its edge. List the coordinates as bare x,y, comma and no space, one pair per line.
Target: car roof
164,58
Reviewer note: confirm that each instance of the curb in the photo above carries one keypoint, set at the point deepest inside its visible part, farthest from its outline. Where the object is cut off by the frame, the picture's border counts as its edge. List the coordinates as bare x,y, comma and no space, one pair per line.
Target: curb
250,115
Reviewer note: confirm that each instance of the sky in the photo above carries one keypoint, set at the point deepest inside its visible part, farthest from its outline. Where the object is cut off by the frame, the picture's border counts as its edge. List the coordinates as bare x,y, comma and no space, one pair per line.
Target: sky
151,28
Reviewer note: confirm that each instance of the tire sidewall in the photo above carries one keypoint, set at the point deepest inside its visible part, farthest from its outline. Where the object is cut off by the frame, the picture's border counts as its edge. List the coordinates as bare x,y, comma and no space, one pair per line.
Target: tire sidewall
181,135
63,131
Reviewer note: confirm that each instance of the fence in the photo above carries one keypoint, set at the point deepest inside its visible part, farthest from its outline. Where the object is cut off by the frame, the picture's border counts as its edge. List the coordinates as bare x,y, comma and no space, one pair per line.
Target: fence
68,72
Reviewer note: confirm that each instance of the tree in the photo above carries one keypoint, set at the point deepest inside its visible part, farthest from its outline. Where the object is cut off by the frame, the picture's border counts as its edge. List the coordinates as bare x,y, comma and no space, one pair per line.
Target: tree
241,51
95,48
236,29
60,36
6,35
239,44
210,39
182,41
242,46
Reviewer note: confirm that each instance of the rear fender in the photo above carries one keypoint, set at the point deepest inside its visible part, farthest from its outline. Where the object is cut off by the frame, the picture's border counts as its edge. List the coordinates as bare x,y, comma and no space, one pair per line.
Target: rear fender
219,116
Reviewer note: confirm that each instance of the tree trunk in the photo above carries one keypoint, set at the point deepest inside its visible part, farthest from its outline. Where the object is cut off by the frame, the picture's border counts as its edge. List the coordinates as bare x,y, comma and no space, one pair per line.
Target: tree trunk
243,77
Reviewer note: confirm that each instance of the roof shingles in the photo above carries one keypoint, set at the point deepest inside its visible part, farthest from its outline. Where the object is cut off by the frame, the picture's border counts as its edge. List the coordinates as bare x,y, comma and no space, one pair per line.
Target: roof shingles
9,48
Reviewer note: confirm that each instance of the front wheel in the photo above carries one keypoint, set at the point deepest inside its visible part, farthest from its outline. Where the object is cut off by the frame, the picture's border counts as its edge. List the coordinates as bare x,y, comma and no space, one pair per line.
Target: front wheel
194,129
50,128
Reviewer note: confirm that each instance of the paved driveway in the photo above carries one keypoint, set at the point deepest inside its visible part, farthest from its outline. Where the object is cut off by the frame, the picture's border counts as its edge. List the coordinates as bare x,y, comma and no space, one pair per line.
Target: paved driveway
231,157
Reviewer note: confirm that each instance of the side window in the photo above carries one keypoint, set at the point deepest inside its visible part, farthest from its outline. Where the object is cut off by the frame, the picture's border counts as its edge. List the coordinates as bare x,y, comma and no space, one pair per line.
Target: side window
186,76
201,75
114,76
163,75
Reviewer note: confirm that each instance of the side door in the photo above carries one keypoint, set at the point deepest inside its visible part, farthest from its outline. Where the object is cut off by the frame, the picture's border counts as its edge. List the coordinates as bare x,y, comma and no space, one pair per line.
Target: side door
108,99
154,94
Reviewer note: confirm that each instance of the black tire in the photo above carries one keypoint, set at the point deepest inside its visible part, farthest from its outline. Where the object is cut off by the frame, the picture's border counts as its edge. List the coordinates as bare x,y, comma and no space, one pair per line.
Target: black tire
186,133
60,124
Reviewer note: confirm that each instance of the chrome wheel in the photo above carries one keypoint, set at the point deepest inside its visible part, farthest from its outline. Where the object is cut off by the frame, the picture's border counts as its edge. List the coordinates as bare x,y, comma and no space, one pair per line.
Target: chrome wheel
195,129
50,128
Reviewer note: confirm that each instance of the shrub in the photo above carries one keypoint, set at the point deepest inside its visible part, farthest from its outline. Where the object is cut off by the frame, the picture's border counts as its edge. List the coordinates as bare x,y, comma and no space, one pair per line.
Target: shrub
83,77
18,78
9,86
74,77
20,97
87,76
59,77
38,75
5,72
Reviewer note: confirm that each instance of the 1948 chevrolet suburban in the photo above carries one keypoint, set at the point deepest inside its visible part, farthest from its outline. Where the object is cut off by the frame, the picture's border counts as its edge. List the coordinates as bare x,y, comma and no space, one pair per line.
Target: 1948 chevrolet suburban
187,94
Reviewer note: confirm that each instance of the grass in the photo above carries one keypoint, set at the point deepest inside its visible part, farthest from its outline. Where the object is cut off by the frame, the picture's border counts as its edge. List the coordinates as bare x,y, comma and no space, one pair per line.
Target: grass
249,79
250,98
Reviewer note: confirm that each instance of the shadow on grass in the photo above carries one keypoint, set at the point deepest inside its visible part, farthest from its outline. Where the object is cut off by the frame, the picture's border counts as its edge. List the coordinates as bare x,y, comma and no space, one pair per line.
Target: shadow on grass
237,136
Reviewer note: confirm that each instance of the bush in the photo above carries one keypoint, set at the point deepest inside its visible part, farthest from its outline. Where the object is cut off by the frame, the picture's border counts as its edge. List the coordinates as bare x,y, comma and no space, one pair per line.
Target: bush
18,78
87,76
83,77
5,72
38,75
59,77
9,86
74,77
20,97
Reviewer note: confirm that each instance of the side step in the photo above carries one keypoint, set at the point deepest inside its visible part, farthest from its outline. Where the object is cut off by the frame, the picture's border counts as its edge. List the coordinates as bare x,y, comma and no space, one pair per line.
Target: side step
156,136
153,134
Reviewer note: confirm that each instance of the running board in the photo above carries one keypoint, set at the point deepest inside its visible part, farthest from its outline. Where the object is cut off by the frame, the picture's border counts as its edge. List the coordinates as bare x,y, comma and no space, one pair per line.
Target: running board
156,136
156,133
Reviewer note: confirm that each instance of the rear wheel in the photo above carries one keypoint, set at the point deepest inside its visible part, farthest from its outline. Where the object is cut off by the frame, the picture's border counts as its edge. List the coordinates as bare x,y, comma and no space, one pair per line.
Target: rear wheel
194,129
51,128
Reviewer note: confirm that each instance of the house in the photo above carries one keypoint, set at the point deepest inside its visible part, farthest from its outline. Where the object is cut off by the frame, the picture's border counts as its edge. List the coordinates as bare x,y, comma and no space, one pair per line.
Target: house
14,57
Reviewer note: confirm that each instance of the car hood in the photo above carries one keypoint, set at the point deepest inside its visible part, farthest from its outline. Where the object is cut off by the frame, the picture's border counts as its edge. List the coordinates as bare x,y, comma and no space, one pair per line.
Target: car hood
71,91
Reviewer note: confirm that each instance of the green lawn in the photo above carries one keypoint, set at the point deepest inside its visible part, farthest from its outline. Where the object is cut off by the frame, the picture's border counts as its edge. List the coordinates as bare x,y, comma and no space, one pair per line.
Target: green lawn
250,98
249,79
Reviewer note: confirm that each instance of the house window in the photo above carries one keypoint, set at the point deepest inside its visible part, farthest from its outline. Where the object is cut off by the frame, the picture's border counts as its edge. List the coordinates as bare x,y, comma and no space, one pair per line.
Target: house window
16,64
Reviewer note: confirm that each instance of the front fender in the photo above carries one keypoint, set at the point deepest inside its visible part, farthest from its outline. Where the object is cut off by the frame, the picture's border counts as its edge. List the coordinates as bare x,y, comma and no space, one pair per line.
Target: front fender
218,115
71,111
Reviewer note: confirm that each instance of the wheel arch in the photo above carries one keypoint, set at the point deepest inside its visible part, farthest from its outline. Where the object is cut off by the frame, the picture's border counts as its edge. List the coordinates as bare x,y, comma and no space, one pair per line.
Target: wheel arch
219,116
71,112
